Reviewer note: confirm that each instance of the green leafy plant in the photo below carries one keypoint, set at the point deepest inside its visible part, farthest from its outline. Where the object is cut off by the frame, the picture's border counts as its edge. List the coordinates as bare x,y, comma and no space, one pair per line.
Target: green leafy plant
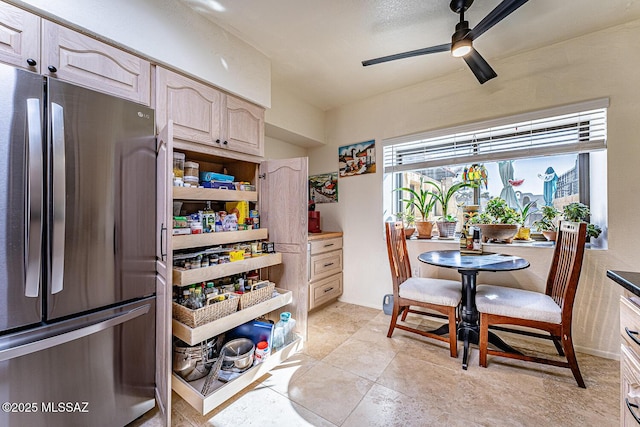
444,197
407,217
579,212
497,212
548,220
525,212
422,200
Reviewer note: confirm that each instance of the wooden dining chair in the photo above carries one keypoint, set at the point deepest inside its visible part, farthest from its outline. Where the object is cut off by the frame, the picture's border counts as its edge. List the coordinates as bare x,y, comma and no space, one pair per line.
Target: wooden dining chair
550,311
442,296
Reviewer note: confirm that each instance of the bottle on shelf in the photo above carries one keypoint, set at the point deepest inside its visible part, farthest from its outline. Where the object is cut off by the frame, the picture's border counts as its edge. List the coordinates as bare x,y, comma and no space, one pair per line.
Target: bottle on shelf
289,330
279,331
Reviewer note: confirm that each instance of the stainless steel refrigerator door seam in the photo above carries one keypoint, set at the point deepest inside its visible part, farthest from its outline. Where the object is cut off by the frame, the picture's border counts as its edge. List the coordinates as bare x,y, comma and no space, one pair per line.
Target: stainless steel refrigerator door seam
59,339
59,198
33,221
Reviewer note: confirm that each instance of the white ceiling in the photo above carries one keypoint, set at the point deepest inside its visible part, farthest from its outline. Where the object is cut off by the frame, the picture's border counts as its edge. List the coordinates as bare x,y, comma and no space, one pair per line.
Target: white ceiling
316,47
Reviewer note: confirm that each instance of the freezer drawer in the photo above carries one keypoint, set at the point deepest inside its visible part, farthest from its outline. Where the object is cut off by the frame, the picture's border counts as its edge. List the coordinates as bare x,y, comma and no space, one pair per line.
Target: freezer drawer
99,371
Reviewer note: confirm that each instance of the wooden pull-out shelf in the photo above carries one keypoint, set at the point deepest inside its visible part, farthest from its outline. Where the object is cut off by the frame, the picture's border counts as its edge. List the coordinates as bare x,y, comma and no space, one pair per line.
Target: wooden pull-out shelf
195,275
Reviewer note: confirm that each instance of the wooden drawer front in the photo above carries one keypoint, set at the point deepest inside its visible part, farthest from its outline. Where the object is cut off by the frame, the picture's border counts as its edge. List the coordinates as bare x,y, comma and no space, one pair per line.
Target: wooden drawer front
19,37
325,290
630,323
324,265
96,65
326,245
630,386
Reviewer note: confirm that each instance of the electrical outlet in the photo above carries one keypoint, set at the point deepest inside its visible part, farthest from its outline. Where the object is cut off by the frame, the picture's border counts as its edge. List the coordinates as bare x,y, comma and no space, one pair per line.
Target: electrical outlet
416,271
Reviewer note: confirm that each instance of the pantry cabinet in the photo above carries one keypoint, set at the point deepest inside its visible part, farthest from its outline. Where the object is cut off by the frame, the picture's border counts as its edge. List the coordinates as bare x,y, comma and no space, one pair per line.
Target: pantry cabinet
280,197
42,46
221,124
19,38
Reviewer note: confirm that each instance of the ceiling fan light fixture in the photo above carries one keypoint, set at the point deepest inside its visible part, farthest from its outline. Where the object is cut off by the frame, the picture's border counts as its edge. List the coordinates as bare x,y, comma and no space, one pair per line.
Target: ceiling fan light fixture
461,48
460,44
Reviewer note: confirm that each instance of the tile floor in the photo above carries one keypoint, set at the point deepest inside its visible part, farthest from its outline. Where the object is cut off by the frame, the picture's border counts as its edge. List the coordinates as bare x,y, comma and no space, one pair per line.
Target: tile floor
351,374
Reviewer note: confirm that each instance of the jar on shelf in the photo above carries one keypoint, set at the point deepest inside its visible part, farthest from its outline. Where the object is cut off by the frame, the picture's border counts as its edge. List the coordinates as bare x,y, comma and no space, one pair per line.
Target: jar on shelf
191,172
178,165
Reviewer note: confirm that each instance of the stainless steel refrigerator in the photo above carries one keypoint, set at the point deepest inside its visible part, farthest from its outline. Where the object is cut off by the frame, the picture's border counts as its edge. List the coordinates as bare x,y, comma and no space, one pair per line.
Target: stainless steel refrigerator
77,254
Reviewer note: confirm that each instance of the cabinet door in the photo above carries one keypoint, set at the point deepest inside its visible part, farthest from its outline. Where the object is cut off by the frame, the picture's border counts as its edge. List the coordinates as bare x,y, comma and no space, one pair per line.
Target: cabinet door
283,210
76,58
163,280
194,108
19,37
245,127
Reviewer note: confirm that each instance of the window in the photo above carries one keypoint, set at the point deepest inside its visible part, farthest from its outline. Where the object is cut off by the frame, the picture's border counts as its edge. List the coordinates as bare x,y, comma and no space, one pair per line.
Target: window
551,157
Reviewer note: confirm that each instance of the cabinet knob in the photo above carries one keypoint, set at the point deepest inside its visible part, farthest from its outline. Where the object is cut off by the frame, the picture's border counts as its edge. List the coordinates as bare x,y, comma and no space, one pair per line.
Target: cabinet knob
32,62
225,142
217,141
52,69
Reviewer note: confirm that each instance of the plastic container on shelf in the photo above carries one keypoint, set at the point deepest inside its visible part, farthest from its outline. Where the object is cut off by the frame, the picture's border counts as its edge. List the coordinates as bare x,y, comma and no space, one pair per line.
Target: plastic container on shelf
283,332
192,172
178,165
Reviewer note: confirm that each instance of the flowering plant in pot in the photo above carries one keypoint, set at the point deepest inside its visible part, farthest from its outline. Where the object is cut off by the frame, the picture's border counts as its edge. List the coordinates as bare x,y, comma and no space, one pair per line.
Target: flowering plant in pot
498,222
422,201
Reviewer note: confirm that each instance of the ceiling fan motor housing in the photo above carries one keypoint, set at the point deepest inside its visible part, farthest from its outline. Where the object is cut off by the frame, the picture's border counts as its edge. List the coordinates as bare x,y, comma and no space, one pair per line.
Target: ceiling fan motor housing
460,5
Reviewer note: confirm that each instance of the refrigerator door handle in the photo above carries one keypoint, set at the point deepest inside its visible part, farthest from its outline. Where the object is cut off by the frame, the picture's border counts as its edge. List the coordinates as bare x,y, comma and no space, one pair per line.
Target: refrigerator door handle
56,338
33,219
59,198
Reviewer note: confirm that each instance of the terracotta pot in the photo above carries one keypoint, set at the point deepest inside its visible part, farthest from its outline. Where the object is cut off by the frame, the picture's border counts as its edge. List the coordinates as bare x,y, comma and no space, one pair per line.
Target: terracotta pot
424,229
446,228
408,231
498,232
550,235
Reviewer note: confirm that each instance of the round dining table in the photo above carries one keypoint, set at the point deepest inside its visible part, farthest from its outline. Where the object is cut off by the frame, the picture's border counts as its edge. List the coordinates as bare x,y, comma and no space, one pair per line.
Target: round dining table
469,265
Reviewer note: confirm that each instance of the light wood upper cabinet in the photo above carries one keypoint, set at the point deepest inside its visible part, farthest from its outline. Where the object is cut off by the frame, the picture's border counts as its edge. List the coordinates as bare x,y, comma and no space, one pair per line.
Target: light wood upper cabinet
245,126
76,58
194,108
19,37
202,114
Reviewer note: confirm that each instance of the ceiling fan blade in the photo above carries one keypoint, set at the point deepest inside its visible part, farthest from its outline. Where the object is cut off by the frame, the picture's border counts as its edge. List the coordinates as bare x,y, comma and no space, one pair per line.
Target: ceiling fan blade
417,52
500,12
480,68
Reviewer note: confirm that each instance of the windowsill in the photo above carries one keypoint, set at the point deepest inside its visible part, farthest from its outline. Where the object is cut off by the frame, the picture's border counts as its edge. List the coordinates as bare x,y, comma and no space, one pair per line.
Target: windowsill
515,243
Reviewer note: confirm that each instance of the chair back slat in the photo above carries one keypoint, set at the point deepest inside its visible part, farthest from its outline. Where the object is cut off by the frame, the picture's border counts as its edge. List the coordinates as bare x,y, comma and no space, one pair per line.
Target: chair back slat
566,265
398,256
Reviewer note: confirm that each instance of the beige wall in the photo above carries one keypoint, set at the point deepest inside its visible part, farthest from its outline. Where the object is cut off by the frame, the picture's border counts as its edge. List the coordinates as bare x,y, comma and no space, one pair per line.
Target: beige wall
602,64
277,149
296,116
173,34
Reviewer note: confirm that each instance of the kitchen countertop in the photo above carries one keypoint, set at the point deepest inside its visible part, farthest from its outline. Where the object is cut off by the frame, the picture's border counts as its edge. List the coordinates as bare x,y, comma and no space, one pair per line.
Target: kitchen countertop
324,235
627,279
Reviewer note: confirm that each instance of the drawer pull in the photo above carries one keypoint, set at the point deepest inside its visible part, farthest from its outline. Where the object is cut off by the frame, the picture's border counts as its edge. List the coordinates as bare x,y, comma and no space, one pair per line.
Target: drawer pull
328,290
329,245
632,335
630,407
330,264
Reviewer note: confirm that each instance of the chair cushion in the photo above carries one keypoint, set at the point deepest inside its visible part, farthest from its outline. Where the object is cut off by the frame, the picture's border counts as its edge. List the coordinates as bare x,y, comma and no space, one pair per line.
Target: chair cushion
433,291
517,303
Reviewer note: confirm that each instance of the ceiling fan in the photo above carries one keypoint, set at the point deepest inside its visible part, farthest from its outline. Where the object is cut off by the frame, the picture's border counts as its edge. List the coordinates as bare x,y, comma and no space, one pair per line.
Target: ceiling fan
462,39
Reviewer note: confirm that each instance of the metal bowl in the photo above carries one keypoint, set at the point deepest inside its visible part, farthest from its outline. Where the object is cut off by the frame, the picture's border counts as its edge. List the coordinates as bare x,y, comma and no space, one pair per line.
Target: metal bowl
238,354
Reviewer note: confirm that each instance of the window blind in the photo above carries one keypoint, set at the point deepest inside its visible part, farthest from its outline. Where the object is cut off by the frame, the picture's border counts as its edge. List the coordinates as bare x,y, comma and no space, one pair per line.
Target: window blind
569,129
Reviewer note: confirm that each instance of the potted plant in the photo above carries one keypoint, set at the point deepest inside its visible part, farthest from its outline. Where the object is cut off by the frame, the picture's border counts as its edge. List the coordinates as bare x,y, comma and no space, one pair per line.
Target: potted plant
578,212
498,222
548,223
422,201
409,220
447,222
524,232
